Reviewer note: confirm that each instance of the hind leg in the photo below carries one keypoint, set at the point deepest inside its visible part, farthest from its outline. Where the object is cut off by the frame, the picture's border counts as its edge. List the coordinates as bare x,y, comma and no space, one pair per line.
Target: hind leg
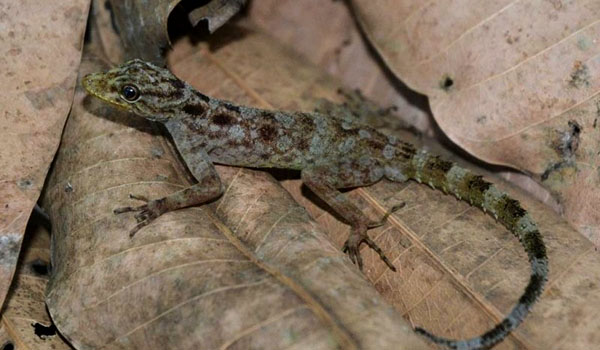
324,181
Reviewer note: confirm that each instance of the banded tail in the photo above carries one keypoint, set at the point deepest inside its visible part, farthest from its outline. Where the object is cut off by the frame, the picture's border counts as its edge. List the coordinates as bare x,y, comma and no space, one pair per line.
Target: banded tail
453,179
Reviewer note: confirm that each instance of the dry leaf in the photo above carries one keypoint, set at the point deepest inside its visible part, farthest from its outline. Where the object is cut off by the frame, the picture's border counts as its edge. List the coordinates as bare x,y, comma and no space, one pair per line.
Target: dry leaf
216,13
41,45
142,24
512,82
190,280
102,31
25,321
460,271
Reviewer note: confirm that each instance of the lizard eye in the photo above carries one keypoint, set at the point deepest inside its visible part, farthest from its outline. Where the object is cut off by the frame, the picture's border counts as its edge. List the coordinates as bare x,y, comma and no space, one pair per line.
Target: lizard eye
130,93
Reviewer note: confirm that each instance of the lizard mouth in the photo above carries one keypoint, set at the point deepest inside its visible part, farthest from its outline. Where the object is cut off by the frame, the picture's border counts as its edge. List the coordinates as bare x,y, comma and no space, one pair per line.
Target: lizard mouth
95,84
91,83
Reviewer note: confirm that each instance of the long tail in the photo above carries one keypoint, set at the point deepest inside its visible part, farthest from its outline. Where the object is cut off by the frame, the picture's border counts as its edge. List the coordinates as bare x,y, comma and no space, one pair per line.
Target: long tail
453,179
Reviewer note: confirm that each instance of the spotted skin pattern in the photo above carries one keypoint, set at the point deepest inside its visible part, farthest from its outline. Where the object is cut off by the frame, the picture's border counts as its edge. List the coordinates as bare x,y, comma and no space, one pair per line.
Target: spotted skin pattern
330,153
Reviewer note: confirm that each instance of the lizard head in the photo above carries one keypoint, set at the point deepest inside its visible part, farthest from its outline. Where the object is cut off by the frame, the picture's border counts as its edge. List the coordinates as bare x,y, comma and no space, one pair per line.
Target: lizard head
141,88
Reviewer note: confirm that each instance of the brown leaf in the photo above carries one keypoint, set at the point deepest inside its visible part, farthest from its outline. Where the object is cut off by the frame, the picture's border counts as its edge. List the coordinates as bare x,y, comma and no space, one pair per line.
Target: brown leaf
514,83
25,321
41,46
216,13
102,31
142,24
459,271
190,280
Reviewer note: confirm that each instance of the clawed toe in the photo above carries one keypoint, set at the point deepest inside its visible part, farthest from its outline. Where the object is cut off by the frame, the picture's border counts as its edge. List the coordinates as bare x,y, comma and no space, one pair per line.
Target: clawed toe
123,210
128,209
146,212
352,248
354,254
137,227
139,198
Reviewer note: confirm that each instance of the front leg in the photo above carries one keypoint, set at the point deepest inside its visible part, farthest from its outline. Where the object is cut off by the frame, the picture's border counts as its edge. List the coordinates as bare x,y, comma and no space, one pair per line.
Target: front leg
208,187
324,182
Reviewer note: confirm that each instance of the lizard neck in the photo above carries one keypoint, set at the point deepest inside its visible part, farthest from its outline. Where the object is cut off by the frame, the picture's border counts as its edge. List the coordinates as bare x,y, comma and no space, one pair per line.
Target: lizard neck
196,105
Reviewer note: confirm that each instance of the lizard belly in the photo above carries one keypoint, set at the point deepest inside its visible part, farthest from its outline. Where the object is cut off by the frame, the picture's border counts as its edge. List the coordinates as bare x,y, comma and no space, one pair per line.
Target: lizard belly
257,155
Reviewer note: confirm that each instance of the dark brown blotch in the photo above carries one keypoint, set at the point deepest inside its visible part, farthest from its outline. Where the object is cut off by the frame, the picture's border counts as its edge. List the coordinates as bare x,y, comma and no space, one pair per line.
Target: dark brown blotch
267,133
405,151
477,187
435,168
534,245
305,122
177,84
445,165
175,95
533,289
194,109
408,148
223,119
509,212
375,144
303,144
513,208
434,163
477,183
495,335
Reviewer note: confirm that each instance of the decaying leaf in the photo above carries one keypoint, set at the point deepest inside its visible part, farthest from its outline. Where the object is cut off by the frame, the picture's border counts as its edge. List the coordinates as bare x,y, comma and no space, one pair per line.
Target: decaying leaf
263,278
26,324
41,45
513,82
459,271
103,32
142,24
216,13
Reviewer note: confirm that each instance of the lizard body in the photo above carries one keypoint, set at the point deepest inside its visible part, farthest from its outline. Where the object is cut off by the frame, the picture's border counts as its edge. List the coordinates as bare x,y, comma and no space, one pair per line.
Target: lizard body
331,154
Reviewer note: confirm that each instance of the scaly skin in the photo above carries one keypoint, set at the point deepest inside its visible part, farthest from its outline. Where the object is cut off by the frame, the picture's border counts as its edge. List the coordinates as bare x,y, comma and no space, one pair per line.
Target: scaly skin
331,153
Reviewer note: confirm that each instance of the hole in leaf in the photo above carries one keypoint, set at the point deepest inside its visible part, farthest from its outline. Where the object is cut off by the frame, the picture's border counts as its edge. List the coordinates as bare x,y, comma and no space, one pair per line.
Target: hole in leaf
8,346
40,267
44,331
446,83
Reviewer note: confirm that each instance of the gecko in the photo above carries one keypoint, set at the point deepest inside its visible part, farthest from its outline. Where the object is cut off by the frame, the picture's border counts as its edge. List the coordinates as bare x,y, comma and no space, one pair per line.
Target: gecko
330,152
